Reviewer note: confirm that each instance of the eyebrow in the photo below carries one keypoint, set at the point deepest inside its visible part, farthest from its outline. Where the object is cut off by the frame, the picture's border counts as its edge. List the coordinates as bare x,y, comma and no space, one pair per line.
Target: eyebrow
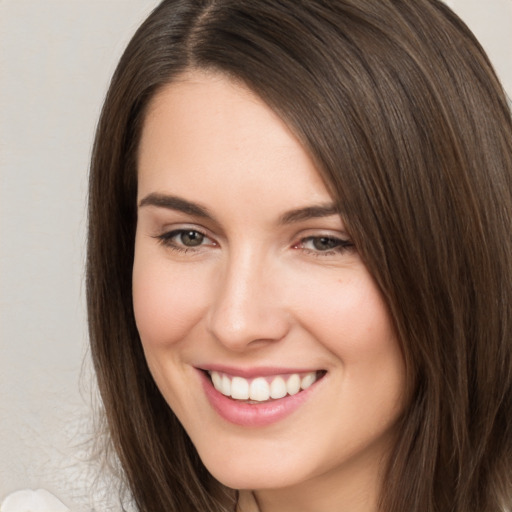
309,212
176,203
190,208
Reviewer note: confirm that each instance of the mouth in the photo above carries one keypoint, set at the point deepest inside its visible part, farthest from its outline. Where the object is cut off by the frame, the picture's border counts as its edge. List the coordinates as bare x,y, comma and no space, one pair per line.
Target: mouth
262,389
261,397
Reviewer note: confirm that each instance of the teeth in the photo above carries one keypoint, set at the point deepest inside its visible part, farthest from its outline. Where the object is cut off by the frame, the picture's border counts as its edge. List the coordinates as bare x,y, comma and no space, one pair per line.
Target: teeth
225,386
239,388
217,381
293,384
262,389
259,390
307,380
278,388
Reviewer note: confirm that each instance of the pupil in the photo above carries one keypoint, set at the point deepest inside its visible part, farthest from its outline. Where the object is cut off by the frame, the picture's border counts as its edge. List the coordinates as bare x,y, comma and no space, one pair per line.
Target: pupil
192,238
324,243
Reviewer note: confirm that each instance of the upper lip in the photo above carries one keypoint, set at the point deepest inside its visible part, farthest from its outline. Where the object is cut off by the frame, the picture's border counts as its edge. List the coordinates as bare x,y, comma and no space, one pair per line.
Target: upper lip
259,371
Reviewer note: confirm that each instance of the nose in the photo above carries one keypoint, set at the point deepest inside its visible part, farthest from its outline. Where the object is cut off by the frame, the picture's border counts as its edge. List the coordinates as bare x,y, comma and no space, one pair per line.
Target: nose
246,310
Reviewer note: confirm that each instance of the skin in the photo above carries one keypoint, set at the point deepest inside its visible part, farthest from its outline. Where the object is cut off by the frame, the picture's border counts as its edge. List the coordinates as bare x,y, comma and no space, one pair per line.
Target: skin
260,290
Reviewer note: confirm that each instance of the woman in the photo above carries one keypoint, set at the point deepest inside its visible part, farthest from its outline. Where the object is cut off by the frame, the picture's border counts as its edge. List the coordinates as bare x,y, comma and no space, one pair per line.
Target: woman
299,260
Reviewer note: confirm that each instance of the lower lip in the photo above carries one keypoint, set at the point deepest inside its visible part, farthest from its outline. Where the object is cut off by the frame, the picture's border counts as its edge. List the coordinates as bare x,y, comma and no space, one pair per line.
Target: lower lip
252,415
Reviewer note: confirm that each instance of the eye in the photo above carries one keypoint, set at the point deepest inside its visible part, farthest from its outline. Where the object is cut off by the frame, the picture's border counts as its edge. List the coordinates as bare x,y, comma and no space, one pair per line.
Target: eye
325,244
190,238
184,239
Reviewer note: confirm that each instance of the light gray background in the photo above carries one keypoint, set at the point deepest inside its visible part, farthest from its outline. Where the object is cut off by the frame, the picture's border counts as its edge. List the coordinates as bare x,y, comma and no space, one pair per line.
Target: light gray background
56,57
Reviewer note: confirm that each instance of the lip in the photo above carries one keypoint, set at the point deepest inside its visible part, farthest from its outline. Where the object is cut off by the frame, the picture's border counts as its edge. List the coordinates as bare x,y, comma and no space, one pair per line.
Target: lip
254,414
251,373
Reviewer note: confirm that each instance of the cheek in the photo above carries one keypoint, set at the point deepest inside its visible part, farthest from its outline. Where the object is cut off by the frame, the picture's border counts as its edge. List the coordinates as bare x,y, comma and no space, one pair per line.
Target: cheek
167,303
351,320
350,317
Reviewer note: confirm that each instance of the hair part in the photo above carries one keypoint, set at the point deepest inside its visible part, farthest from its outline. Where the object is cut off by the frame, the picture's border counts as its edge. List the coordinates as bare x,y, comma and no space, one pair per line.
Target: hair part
400,109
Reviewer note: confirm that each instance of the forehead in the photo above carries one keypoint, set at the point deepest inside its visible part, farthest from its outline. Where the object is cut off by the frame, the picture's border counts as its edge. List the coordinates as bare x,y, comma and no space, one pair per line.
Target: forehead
208,132
225,116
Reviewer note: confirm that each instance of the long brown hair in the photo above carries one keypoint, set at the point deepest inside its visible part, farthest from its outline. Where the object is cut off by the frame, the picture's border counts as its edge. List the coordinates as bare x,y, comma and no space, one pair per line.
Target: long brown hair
400,109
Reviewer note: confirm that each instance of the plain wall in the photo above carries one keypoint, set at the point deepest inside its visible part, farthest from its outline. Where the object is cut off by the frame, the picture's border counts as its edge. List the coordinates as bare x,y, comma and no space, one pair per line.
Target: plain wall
56,58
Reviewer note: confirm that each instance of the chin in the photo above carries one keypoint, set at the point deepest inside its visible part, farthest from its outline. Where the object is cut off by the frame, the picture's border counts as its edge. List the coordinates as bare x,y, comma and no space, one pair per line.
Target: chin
255,478
258,468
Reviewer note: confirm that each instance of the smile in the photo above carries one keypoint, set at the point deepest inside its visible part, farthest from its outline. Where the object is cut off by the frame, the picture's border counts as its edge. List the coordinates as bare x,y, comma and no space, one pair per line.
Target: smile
263,389
261,398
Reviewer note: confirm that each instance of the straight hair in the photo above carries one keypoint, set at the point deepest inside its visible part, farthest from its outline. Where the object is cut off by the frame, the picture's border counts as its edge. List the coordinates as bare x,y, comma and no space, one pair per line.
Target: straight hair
401,111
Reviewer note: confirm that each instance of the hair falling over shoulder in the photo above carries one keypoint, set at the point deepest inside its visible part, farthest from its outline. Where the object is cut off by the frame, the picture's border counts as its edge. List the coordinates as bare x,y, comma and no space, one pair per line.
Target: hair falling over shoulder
400,109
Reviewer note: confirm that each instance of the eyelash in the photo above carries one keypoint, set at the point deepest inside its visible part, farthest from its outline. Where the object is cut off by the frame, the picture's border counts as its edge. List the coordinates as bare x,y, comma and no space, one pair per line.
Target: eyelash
341,245
168,240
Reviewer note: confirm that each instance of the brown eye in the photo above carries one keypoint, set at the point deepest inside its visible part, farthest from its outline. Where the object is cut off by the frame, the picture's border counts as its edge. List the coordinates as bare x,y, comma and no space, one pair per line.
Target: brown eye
185,239
324,243
191,238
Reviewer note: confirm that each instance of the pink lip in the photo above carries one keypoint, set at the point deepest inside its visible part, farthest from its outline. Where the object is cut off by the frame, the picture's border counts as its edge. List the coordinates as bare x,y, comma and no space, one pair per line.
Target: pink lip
250,373
252,415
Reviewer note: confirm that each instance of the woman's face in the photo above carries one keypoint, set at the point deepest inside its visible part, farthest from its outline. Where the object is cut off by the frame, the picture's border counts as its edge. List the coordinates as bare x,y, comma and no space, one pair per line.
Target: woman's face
261,326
